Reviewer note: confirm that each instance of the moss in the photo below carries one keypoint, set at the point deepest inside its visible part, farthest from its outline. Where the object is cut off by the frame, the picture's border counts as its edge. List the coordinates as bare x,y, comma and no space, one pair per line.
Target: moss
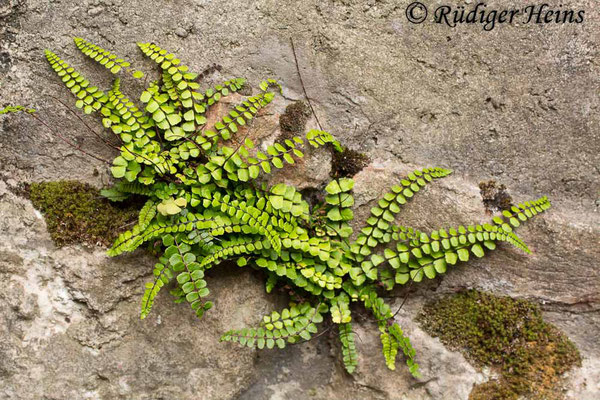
495,196
347,163
76,213
508,335
293,121
493,390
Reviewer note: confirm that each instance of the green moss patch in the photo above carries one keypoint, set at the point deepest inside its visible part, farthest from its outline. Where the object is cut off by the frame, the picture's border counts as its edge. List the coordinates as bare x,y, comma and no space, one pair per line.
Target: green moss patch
76,213
508,335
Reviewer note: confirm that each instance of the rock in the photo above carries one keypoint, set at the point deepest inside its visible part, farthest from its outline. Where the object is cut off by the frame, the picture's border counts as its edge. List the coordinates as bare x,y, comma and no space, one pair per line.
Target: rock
181,32
510,105
71,328
95,11
445,374
585,381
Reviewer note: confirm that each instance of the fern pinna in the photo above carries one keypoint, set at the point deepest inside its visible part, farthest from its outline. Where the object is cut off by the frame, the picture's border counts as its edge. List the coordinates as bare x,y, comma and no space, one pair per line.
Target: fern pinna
208,202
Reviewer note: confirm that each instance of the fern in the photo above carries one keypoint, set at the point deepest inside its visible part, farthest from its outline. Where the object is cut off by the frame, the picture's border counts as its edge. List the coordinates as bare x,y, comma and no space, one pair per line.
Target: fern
110,61
163,273
147,214
206,206
16,109
349,354
291,325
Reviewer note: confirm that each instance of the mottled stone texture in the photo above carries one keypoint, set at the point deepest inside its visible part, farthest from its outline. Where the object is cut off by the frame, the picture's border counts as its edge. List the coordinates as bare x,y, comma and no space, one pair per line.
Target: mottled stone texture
519,105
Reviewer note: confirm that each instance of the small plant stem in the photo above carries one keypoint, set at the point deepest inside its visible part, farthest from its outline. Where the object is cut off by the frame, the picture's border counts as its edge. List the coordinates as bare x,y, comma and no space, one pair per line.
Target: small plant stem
303,86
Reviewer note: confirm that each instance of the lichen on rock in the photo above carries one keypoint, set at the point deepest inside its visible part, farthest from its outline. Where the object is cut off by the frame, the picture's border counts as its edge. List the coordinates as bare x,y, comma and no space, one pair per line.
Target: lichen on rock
507,334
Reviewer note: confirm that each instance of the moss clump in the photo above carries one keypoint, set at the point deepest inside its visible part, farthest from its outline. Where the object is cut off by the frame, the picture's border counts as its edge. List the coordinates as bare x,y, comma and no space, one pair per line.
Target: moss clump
510,336
347,163
495,196
293,121
76,213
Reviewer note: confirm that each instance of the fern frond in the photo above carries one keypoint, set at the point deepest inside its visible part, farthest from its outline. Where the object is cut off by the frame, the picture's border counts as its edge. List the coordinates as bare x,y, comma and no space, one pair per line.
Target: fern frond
415,249
240,116
390,349
338,202
349,353
307,274
404,344
240,246
270,282
16,109
134,188
147,213
179,82
240,166
163,273
291,326
213,95
225,225
109,60
391,335
287,200
192,286
340,309
125,119
380,309
419,255
131,240
245,213
317,247
317,138
90,98
266,84
229,164
383,215
113,194
166,115
393,338
258,196
521,213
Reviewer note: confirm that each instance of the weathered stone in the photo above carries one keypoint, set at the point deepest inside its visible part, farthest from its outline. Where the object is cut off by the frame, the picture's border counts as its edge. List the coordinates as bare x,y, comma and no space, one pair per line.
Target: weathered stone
181,32
95,11
70,325
517,105
445,374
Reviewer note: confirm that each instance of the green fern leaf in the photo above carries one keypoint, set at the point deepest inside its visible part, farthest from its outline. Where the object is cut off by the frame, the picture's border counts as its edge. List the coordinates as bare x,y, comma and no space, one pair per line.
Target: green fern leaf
349,353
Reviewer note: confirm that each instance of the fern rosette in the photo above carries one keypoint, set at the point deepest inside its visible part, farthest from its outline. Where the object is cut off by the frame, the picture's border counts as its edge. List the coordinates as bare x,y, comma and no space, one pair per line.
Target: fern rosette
207,203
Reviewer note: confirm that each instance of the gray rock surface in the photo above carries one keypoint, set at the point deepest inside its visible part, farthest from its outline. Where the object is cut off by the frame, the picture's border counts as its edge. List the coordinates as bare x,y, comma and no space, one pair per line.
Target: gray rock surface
518,104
